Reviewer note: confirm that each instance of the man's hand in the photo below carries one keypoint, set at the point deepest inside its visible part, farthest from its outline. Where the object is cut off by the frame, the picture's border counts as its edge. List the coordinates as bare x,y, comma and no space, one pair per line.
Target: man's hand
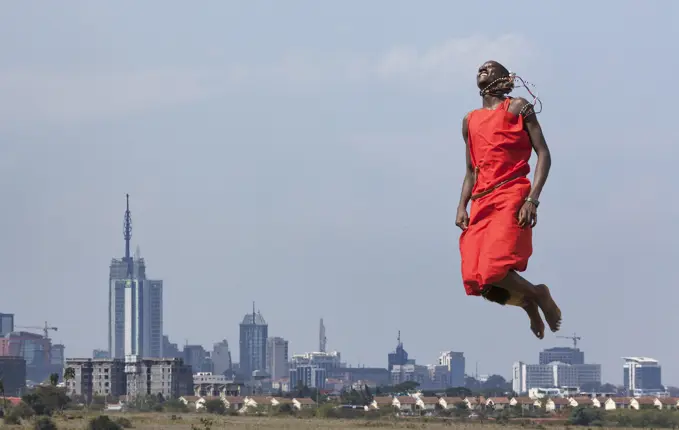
528,215
462,218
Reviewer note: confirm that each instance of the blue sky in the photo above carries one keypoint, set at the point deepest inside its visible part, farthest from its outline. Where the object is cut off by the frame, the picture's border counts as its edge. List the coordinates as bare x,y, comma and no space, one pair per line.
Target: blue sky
307,155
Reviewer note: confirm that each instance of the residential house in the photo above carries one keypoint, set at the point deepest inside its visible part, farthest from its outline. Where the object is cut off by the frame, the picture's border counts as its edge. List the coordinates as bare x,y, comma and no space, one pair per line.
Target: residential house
497,403
404,403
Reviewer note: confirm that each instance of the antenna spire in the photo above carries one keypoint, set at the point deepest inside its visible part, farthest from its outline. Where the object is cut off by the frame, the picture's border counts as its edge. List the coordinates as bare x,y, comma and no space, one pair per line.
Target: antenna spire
127,234
322,340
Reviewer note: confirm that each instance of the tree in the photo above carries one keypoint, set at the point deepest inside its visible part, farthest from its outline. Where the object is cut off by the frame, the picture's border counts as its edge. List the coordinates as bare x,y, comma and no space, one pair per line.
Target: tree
69,374
591,387
215,406
582,416
54,379
44,400
472,383
495,383
2,391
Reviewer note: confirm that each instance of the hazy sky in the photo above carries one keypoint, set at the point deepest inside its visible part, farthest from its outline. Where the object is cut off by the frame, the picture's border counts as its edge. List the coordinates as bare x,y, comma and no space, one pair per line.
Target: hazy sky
307,155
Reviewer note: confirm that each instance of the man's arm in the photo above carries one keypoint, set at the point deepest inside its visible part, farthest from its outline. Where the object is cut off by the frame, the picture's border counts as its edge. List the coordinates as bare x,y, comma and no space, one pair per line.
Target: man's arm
468,182
532,126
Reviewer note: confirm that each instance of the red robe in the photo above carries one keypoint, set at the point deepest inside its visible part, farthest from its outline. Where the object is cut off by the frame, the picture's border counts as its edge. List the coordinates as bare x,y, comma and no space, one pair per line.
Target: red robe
494,244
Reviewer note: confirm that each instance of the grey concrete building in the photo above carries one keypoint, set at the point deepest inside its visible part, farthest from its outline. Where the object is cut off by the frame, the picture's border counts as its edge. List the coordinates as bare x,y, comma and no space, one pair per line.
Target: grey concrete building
114,377
169,377
221,358
13,375
96,377
277,358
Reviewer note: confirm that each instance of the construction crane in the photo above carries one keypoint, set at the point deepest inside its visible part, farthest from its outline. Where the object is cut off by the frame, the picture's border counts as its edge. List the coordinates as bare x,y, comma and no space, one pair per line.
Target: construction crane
575,338
45,329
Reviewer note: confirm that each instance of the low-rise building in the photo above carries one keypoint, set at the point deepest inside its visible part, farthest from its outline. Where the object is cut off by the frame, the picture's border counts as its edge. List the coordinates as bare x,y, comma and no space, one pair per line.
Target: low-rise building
209,384
96,377
114,377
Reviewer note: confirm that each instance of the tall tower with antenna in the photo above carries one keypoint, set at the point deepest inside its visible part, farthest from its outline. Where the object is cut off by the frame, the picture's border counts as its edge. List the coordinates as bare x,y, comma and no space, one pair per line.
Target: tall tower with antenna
322,340
135,303
127,234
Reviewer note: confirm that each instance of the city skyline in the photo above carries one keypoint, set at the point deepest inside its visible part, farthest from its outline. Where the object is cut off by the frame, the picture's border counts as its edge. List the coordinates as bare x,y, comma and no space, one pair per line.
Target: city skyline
320,162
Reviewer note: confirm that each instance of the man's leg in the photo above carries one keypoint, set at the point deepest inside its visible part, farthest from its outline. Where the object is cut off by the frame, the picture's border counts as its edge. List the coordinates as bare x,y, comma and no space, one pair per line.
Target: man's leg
515,284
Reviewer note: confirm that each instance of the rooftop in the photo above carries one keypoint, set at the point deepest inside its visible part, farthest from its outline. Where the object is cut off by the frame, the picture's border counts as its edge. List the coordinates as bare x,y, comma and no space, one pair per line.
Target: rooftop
257,318
640,360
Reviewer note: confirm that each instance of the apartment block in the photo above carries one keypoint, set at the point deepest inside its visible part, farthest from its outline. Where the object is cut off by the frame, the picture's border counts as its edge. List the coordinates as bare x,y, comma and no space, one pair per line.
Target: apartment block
96,377
169,377
115,377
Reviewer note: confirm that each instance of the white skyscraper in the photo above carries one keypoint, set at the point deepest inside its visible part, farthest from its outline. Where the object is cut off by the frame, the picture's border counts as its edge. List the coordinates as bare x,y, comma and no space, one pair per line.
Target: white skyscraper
135,305
277,357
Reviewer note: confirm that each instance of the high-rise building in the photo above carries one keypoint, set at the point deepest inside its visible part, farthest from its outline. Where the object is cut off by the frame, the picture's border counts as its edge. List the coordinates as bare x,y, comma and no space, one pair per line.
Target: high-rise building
195,356
553,375
253,334
642,375
221,358
399,357
170,349
455,364
135,304
562,355
6,324
277,358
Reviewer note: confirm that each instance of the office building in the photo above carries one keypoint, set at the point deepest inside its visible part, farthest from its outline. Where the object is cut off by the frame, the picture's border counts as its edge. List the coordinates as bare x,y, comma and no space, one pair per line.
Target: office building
196,357
454,363
57,356
401,373
325,360
221,358
6,324
135,305
170,349
399,356
277,358
13,375
254,332
308,376
100,353
642,376
553,375
562,355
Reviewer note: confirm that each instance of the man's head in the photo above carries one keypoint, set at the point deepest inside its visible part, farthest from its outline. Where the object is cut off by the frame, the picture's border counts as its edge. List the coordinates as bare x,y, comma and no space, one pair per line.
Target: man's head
494,78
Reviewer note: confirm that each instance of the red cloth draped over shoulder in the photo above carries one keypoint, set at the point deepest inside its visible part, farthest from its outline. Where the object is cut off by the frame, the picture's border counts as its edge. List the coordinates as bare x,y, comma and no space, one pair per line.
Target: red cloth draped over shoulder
493,244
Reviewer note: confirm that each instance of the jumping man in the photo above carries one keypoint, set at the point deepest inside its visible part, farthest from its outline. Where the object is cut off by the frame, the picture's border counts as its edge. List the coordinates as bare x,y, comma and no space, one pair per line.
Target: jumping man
496,240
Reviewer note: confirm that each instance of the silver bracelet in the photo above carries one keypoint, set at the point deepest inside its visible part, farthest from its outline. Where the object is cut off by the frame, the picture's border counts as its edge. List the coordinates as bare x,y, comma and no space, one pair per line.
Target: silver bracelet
532,200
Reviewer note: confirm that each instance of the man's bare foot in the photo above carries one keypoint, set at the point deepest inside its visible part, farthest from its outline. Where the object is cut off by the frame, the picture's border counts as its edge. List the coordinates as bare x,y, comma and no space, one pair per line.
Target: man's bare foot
549,308
537,326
